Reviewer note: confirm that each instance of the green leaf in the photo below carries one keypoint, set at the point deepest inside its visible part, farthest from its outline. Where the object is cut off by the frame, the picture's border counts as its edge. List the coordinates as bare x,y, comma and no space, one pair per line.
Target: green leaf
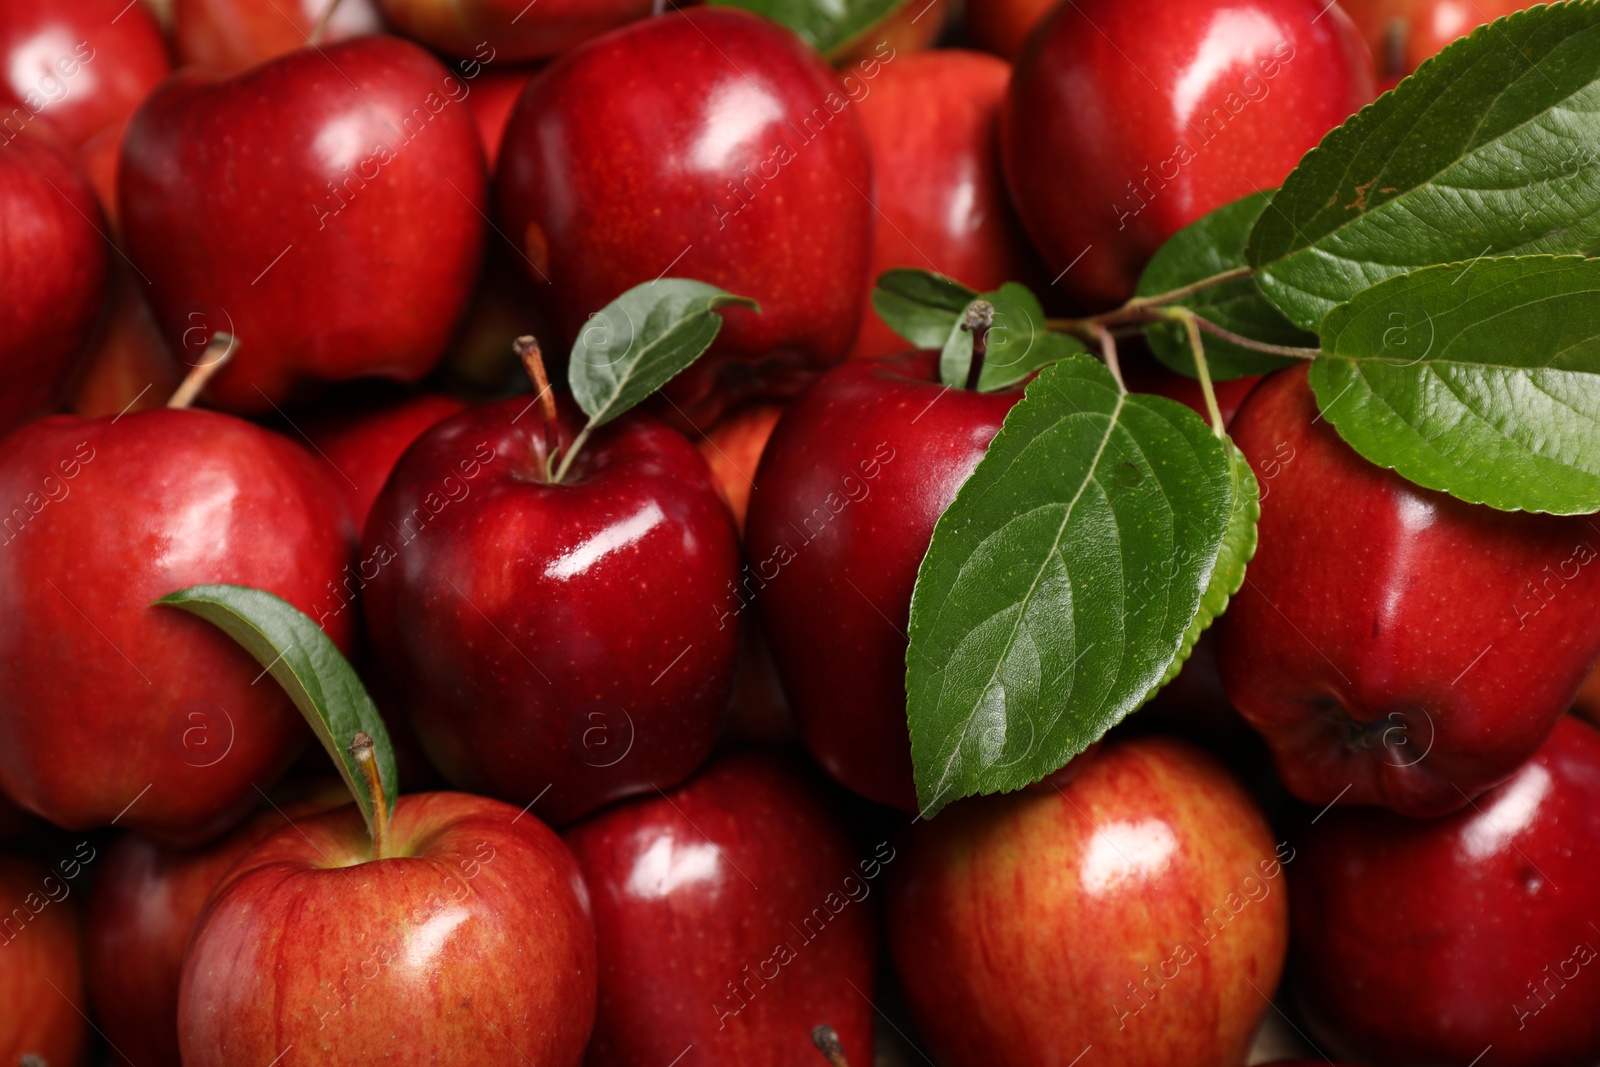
829,26
1028,640
311,670
1209,246
1019,342
921,306
1489,149
638,342
1476,379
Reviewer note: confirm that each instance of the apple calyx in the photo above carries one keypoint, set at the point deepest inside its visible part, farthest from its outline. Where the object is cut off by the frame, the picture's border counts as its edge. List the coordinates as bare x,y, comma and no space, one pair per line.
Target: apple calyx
364,752
218,352
825,1037
979,319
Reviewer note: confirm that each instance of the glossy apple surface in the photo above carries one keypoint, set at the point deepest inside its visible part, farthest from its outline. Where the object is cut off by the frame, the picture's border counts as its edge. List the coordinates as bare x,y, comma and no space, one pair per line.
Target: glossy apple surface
53,266
1428,942
1128,119
852,482
473,945
709,144
234,34
932,121
697,894
41,978
345,239
1139,910
118,711
567,643
81,65
515,29
1401,648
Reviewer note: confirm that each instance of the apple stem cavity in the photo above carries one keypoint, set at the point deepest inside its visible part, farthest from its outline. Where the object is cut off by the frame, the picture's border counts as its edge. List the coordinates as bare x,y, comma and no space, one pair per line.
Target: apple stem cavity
216,355
362,751
826,1038
527,350
980,317
320,27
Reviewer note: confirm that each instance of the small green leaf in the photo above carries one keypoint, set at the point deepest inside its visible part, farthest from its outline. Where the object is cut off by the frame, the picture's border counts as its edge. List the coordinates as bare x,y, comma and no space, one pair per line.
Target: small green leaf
1210,246
308,666
955,355
1028,638
1019,342
638,342
920,306
829,26
1488,149
1476,379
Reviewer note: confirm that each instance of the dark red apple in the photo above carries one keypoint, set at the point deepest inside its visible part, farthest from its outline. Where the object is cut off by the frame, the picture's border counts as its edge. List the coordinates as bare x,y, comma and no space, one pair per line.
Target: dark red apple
1000,26
732,915
494,94
472,944
1129,119
1400,647
234,34
709,144
81,65
932,121
143,908
1404,33
1138,911
118,711
325,207
53,270
128,365
560,643
41,978
851,484
515,29
1430,942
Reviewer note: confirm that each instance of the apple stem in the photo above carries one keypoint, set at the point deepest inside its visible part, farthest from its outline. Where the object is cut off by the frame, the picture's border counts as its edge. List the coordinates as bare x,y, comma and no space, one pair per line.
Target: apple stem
1191,326
1108,351
1156,299
1292,351
320,27
527,349
826,1038
980,317
363,752
217,353
572,452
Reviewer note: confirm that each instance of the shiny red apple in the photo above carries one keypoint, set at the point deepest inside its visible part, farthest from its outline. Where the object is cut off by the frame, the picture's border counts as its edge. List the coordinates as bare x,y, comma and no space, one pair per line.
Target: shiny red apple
42,1007
1129,119
325,207
856,474
932,121
515,29
709,144
1404,33
732,915
1138,912
1431,942
81,65
118,711
556,644
234,34
1395,645
471,944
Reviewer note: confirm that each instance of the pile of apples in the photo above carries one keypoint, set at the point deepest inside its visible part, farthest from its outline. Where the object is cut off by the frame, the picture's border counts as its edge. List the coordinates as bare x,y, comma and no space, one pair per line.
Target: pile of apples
287,283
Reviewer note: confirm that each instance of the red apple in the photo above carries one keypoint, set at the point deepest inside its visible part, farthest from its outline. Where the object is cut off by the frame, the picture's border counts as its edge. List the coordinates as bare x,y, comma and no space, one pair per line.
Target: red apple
82,65
731,916
144,906
515,29
1145,374
1000,26
850,486
1429,942
41,979
1129,119
493,97
53,267
1404,33
472,945
234,34
1136,911
708,144
1402,647
118,711
732,449
566,644
912,27
127,365
942,205
324,207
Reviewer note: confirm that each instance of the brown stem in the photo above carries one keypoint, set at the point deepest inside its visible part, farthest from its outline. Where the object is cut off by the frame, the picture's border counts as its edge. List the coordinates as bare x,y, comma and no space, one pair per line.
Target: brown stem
1257,346
1108,352
320,27
1168,297
217,353
527,350
826,1038
361,750
980,317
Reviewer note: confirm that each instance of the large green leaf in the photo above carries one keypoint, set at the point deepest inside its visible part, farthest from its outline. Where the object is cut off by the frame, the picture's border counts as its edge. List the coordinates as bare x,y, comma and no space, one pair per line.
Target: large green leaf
305,662
1477,379
829,26
638,342
1210,246
1029,638
1489,149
